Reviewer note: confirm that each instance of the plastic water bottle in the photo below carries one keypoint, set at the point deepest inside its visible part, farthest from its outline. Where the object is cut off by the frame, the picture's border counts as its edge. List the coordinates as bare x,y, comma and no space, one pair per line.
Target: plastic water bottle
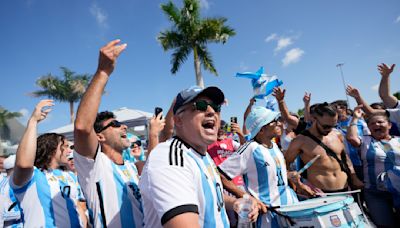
244,210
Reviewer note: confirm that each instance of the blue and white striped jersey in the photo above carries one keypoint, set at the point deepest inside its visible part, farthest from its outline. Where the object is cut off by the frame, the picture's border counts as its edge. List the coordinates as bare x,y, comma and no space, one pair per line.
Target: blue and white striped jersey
177,179
265,176
10,213
381,159
362,129
45,200
111,191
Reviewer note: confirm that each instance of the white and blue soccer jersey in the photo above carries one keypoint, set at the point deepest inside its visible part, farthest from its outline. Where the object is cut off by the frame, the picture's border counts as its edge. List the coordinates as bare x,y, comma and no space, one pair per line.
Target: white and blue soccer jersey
111,191
70,185
381,164
362,129
177,179
45,201
10,213
265,176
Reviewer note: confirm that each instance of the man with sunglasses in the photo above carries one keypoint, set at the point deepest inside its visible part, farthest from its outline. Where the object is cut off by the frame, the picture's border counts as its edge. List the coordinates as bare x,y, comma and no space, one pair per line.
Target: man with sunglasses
180,185
108,182
333,171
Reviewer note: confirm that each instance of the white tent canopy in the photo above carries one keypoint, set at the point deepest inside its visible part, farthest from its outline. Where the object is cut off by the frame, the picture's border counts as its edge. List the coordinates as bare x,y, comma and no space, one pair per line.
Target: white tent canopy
135,119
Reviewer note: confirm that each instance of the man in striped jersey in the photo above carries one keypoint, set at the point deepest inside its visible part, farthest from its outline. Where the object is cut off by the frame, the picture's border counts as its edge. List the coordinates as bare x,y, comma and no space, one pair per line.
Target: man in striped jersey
44,195
108,182
262,165
180,184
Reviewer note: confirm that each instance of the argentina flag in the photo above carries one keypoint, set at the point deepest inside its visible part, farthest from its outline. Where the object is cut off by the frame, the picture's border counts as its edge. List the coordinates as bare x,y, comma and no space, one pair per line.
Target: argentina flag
262,84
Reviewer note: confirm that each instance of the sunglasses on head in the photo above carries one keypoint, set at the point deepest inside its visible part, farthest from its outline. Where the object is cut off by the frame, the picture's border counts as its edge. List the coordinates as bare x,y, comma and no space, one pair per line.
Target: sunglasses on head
137,143
114,123
202,105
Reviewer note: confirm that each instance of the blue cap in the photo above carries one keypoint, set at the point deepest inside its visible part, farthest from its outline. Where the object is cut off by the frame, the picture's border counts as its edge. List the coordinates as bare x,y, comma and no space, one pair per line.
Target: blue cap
188,95
258,118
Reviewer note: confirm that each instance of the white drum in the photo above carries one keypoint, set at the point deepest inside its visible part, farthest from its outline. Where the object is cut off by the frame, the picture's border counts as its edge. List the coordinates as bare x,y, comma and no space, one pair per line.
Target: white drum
330,211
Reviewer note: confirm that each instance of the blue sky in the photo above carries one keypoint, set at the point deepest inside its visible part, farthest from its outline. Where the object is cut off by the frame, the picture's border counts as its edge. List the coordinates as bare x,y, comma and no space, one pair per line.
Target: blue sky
299,41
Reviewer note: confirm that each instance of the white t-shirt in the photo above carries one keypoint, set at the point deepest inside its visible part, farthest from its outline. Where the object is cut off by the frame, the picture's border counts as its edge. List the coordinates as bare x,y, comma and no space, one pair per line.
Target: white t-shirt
265,176
111,191
45,200
175,180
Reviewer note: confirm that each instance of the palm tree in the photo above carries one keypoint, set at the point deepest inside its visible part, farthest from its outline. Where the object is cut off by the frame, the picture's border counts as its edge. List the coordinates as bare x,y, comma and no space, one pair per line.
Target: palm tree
70,89
192,33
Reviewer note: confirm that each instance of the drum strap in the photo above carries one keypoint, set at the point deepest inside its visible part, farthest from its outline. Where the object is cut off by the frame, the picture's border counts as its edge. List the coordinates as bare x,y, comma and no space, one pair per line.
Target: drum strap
342,162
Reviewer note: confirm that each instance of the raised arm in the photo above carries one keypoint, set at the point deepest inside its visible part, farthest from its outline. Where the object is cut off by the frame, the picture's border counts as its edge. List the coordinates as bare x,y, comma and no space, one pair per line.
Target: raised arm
246,113
352,130
279,94
353,92
84,134
168,129
26,152
157,124
306,100
388,99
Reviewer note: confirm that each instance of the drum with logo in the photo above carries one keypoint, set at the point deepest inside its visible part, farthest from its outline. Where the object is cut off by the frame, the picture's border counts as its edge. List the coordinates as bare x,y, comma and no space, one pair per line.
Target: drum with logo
330,211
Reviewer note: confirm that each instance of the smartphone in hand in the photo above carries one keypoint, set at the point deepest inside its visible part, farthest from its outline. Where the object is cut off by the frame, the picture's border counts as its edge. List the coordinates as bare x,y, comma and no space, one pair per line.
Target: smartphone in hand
233,119
157,111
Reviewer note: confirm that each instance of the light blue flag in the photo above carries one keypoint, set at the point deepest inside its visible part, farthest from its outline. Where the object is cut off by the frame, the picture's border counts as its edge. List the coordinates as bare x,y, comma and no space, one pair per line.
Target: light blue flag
262,84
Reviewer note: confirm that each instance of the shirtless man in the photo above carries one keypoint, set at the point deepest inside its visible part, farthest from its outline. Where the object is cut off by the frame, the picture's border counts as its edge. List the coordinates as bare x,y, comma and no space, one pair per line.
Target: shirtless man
326,173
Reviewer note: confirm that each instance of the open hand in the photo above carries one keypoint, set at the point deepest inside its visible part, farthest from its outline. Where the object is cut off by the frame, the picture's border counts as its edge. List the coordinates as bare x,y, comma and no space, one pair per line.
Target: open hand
384,70
41,110
108,56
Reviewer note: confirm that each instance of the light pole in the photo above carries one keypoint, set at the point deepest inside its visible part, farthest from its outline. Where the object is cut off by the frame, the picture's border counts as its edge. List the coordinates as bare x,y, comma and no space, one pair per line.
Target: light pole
339,65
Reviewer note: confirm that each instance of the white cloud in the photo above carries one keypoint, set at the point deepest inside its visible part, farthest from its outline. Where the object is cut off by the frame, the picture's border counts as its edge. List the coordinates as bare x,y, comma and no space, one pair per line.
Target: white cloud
271,37
204,4
397,20
375,87
25,115
99,14
292,56
283,42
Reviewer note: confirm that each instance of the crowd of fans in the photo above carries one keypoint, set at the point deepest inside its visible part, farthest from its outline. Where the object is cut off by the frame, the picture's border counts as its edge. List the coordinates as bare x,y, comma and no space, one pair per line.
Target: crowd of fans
196,166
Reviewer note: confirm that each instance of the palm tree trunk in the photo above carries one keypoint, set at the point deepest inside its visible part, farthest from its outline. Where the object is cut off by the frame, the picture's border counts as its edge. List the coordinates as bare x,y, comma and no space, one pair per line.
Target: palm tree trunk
71,111
197,68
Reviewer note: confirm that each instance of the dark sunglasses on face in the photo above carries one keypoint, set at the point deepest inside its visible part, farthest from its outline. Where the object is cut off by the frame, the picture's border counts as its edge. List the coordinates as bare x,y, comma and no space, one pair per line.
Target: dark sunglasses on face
202,105
114,123
325,126
137,143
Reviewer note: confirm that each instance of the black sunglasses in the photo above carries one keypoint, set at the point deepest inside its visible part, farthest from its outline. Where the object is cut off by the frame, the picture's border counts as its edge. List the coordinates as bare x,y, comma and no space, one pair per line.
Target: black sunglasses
325,126
201,105
138,143
114,123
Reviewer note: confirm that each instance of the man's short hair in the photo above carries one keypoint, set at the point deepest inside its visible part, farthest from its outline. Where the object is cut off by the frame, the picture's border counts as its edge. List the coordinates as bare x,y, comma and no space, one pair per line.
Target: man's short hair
378,105
324,109
100,118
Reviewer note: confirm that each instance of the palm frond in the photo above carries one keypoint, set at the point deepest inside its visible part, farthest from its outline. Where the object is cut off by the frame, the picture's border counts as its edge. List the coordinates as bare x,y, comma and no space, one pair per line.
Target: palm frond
206,59
172,12
179,57
170,39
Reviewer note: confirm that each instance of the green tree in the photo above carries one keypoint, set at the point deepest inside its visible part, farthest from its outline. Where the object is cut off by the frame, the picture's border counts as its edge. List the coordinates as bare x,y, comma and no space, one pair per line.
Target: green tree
70,89
300,112
190,33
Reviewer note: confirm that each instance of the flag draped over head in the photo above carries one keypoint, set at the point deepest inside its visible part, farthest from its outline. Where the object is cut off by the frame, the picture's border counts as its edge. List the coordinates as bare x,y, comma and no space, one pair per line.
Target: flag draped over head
263,84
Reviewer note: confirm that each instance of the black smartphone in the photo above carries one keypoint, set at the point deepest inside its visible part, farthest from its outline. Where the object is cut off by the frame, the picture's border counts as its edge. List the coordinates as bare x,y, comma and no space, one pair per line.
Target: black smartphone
233,119
157,111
